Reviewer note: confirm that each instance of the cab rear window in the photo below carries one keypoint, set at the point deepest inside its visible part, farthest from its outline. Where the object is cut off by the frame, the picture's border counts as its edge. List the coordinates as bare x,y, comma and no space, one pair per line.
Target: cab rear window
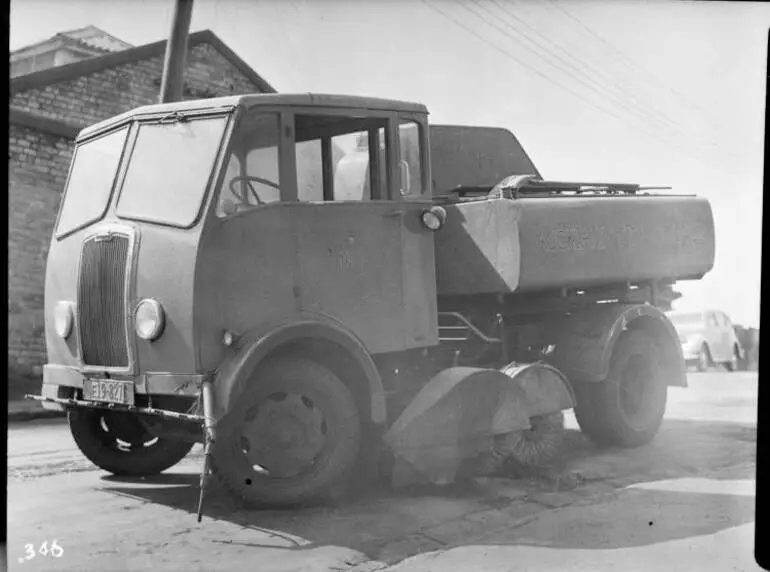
91,180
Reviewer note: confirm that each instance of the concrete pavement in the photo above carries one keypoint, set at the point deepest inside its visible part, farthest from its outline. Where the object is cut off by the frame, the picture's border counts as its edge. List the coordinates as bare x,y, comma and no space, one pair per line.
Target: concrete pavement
680,524
694,484
28,410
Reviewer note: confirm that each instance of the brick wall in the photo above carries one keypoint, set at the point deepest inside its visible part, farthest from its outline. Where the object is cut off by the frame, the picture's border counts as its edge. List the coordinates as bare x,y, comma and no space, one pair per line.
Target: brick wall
94,97
38,162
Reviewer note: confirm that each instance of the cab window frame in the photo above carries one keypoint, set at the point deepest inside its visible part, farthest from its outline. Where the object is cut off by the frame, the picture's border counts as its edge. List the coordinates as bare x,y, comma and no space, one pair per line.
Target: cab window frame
212,183
287,153
130,128
421,125
369,124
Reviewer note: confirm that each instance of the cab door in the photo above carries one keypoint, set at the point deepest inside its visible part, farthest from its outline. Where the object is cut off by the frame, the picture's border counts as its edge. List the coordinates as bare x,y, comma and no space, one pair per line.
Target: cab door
367,236
413,191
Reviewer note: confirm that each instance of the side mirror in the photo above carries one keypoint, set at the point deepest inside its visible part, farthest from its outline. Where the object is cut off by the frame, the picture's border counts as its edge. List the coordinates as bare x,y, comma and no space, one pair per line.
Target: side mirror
406,181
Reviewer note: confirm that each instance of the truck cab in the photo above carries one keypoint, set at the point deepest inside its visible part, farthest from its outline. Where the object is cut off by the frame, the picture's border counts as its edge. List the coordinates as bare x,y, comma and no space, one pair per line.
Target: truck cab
190,233
160,246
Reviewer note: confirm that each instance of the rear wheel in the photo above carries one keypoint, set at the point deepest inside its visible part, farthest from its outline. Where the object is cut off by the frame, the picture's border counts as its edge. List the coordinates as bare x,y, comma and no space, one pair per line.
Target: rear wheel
732,365
626,409
118,443
292,438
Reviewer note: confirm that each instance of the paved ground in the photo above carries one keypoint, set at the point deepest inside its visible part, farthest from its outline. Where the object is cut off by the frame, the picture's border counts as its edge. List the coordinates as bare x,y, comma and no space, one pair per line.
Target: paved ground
684,502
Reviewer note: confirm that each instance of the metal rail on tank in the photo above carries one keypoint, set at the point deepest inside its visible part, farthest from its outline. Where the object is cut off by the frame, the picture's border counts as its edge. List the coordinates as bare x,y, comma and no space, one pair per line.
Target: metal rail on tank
521,186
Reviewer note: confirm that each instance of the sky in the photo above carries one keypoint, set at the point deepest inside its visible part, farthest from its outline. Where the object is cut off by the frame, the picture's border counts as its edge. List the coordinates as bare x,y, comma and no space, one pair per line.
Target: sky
656,92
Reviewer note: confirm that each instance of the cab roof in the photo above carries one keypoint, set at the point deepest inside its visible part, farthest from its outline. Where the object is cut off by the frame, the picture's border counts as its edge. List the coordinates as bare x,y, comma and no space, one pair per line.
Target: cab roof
352,102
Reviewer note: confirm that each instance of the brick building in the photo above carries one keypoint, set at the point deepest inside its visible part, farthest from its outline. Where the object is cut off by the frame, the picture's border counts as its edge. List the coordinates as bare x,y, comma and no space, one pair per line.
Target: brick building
87,76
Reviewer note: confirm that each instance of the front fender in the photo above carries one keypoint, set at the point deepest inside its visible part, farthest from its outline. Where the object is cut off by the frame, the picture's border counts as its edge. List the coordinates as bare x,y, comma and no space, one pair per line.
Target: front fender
587,339
253,346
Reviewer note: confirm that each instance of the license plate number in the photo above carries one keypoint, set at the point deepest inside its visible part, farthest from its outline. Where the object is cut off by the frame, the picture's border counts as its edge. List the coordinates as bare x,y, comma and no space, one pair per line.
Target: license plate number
109,391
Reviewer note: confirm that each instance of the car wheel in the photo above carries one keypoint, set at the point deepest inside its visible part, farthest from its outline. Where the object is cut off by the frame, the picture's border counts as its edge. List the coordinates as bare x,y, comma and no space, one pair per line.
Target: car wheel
704,358
732,365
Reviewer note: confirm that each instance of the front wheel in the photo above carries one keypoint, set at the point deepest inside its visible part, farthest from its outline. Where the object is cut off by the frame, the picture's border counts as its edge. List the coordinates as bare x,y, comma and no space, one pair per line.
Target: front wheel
704,358
292,438
118,443
627,408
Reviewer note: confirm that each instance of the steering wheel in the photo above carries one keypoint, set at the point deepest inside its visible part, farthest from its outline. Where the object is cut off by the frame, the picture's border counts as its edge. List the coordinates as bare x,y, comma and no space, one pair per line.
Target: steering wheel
248,179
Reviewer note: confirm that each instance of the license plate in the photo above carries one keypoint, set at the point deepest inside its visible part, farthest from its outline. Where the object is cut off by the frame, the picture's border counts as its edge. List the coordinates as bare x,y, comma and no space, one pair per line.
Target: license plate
109,391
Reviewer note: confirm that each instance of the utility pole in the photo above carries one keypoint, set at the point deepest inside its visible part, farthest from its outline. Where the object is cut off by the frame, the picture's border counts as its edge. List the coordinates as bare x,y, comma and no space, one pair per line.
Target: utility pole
176,51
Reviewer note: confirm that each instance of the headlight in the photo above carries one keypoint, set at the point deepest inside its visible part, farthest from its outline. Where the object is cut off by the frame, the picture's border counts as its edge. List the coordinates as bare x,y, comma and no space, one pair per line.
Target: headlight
433,218
63,317
149,319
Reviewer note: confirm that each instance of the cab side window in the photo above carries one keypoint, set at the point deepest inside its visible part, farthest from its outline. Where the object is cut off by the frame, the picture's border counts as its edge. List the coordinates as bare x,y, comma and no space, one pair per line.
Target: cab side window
410,160
335,156
310,185
252,174
353,176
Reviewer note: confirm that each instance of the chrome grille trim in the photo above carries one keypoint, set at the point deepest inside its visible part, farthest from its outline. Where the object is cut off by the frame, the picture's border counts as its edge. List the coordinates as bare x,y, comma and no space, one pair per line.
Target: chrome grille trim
103,297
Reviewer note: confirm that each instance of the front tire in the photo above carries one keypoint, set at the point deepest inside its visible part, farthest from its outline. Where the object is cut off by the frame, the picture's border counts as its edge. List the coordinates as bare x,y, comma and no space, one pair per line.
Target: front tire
626,409
704,359
292,438
118,443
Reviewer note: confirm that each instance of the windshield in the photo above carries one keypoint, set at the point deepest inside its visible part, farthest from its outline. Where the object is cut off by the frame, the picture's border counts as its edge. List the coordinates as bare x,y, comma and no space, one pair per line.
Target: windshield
686,320
169,170
91,180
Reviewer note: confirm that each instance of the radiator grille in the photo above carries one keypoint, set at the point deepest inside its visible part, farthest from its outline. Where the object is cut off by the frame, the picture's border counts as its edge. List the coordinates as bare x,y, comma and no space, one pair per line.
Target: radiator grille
102,301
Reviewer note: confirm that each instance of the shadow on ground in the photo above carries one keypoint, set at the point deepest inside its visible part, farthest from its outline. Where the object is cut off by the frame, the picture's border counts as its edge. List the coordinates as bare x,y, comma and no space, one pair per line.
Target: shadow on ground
389,527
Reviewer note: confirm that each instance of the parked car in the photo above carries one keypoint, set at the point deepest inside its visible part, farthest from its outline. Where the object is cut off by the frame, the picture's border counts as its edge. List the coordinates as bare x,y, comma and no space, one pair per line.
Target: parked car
708,339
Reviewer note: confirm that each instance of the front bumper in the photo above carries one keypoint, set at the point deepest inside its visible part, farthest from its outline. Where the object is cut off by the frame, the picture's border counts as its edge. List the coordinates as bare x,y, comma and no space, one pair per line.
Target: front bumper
57,377
60,404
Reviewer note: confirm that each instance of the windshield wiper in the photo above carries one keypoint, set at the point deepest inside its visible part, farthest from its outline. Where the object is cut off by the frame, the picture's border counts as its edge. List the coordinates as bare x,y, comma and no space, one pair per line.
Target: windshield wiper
173,117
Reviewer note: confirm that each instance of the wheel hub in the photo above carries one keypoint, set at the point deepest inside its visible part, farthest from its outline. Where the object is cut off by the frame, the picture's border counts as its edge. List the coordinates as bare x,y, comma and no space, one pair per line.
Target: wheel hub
124,430
283,435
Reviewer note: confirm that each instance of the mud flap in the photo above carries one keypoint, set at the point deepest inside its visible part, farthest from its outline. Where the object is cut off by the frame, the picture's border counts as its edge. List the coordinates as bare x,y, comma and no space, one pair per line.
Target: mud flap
461,410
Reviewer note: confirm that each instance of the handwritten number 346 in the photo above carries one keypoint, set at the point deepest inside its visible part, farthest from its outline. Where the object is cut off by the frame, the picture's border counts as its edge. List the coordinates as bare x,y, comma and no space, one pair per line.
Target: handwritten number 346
54,550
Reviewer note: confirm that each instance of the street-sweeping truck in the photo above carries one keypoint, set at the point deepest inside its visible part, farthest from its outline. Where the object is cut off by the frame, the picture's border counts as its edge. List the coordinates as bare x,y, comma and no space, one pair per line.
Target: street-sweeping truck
308,284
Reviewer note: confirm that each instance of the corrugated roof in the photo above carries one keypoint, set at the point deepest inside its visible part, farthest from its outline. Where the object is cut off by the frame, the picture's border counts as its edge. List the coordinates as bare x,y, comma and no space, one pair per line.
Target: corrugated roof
97,38
87,66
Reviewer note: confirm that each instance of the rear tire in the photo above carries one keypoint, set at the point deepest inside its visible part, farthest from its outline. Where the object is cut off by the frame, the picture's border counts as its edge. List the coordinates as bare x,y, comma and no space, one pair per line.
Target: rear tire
626,409
732,365
291,407
118,443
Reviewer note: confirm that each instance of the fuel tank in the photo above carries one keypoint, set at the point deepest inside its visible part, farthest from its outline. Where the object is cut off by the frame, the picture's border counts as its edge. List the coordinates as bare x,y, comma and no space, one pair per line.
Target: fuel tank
504,245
